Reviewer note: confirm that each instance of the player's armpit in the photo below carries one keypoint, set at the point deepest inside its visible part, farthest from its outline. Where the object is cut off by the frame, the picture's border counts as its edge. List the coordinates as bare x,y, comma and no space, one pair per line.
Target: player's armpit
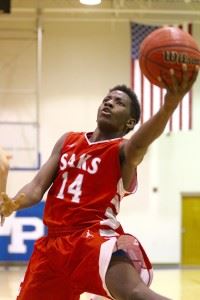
132,154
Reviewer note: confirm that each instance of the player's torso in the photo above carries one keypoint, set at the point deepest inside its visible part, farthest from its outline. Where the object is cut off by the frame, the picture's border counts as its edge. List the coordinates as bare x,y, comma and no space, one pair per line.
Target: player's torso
88,186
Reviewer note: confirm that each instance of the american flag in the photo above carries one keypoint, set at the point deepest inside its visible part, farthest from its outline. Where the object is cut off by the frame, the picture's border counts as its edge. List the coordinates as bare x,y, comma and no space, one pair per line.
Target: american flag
150,96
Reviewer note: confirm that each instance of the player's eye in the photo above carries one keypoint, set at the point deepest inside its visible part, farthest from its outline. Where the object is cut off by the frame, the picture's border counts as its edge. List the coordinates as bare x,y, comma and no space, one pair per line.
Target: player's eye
120,102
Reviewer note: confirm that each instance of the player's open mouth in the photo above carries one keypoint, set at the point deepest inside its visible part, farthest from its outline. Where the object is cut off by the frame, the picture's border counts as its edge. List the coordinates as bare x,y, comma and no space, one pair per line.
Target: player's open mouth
106,112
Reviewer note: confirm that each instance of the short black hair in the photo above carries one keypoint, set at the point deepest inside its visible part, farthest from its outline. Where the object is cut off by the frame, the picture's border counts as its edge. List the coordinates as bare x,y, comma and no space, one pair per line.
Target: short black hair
135,105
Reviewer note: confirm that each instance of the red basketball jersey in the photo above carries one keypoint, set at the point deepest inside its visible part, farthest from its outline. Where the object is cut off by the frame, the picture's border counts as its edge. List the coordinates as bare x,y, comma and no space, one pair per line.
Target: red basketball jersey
87,190
80,213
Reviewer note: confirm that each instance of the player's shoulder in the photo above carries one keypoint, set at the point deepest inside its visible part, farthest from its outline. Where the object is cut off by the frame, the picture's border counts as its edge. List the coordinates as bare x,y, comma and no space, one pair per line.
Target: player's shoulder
70,134
70,137
73,134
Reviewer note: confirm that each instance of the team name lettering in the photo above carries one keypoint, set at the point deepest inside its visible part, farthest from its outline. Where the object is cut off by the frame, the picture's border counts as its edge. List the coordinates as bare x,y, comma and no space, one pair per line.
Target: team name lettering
85,162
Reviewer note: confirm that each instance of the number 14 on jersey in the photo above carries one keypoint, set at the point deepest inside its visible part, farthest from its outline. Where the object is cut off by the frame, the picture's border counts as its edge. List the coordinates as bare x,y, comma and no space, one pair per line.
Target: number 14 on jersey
74,188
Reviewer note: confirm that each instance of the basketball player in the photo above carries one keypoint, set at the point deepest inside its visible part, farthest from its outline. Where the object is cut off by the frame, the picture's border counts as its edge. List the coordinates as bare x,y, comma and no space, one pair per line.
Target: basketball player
86,249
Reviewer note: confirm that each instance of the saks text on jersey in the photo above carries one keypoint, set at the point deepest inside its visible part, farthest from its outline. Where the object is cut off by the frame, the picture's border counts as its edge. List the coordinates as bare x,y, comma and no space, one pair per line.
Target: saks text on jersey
84,162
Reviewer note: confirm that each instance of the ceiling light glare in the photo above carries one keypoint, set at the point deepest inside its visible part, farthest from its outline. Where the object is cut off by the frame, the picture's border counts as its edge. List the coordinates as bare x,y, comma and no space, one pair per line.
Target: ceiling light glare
90,2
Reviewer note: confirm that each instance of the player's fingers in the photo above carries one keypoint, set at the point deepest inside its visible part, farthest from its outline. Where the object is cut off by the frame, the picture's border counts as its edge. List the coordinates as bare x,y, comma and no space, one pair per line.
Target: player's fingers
5,197
164,80
197,69
193,78
195,74
169,81
185,83
162,84
185,73
174,80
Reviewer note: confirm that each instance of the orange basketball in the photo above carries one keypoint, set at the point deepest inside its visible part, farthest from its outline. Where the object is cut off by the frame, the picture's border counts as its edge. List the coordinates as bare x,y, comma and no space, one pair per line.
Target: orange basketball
166,48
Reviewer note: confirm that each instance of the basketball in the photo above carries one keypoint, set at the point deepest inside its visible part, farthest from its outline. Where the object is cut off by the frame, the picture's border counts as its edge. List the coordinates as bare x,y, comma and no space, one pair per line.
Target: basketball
168,48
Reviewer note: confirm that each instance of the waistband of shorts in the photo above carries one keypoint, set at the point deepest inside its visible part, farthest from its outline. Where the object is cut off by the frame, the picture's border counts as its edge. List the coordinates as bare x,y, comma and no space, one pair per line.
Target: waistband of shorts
57,232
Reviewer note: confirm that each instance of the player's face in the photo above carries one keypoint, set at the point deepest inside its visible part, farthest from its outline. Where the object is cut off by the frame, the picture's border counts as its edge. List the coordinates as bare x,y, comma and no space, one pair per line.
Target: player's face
114,112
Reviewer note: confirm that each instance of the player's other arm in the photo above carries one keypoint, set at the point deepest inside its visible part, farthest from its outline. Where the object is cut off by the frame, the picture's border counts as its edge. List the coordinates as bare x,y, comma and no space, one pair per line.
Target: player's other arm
33,192
135,148
4,167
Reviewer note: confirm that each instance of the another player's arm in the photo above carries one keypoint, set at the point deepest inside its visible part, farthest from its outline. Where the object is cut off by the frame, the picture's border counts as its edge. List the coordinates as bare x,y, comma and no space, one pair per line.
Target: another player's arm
33,192
4,167
135,148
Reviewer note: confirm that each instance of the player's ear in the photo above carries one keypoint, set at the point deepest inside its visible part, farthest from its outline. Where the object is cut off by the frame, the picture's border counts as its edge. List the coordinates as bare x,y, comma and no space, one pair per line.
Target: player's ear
131,123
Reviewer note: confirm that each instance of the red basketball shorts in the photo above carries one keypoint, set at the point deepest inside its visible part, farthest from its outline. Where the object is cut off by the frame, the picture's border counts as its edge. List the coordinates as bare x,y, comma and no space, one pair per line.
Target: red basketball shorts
65,266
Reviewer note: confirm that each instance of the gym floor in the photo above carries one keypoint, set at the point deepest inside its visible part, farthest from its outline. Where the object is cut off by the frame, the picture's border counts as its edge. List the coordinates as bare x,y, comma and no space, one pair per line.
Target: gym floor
176,283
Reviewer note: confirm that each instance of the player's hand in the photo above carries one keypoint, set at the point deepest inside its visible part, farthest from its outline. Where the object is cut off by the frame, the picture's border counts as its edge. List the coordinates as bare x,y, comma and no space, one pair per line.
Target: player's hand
177,89
8,206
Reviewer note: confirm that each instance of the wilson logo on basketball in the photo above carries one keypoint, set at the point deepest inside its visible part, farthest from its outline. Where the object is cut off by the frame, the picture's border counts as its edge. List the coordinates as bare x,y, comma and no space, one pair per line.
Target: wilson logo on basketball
177,57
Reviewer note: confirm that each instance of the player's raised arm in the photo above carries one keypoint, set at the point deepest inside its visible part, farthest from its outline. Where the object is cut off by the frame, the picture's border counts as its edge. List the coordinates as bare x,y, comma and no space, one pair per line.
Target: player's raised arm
33,192
136,147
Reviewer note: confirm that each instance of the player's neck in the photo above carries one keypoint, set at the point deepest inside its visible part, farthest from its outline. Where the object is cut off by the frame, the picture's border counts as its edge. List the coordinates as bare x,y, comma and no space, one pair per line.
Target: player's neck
98,135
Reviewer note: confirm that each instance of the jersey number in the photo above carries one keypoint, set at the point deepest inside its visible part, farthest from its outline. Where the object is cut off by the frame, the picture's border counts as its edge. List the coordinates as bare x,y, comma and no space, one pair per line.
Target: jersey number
74,188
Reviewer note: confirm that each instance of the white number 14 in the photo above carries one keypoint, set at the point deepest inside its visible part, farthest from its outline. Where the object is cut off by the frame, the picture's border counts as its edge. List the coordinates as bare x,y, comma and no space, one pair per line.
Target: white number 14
74,188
